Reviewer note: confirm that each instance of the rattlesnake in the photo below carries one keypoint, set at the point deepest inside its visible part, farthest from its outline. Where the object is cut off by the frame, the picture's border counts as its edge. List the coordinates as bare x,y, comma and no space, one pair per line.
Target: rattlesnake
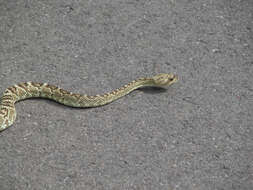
31,89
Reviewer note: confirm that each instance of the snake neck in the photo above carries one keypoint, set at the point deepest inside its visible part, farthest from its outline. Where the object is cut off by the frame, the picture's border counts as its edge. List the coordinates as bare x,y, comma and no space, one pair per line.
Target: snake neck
124,90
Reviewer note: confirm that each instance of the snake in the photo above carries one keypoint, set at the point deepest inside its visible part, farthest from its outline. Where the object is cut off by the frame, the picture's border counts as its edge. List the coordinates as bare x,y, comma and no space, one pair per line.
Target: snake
27,90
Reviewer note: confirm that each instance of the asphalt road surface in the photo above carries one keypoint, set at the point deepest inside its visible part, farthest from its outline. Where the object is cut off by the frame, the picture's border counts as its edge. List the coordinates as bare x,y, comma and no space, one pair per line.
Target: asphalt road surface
197,134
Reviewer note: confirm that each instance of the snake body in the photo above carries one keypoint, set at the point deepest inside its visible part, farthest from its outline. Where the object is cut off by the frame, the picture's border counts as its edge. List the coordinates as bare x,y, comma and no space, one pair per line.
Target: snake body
27,90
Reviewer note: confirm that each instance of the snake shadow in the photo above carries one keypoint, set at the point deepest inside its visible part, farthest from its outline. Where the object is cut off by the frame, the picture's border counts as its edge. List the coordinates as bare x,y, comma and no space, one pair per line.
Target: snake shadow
153,90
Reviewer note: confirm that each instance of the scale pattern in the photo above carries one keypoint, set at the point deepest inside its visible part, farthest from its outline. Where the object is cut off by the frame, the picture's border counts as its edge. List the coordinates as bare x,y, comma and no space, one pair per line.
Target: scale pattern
27,90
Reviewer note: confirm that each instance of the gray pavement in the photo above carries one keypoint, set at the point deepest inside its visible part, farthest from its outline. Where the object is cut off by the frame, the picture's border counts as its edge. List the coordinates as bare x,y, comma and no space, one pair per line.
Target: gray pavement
198,134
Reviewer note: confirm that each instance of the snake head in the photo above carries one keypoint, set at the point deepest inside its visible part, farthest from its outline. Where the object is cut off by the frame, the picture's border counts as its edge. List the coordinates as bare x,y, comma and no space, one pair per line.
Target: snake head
164,79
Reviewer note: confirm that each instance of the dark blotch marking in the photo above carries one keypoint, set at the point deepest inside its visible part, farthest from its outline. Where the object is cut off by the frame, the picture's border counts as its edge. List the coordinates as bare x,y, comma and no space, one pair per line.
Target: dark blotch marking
77,95
36,84
64,91
13,89
26,84
91,97
7,104
22,85
7,97
51,87
4,111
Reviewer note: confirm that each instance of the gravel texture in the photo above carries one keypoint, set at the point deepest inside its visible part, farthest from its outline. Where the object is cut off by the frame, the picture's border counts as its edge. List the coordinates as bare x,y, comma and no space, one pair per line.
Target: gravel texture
198,134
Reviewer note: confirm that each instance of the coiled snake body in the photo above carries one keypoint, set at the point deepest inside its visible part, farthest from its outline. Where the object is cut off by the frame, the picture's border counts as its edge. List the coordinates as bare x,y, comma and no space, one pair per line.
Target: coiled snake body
31,89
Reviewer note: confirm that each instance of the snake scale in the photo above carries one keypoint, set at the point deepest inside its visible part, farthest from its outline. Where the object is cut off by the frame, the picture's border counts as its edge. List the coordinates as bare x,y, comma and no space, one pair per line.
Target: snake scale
26,90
